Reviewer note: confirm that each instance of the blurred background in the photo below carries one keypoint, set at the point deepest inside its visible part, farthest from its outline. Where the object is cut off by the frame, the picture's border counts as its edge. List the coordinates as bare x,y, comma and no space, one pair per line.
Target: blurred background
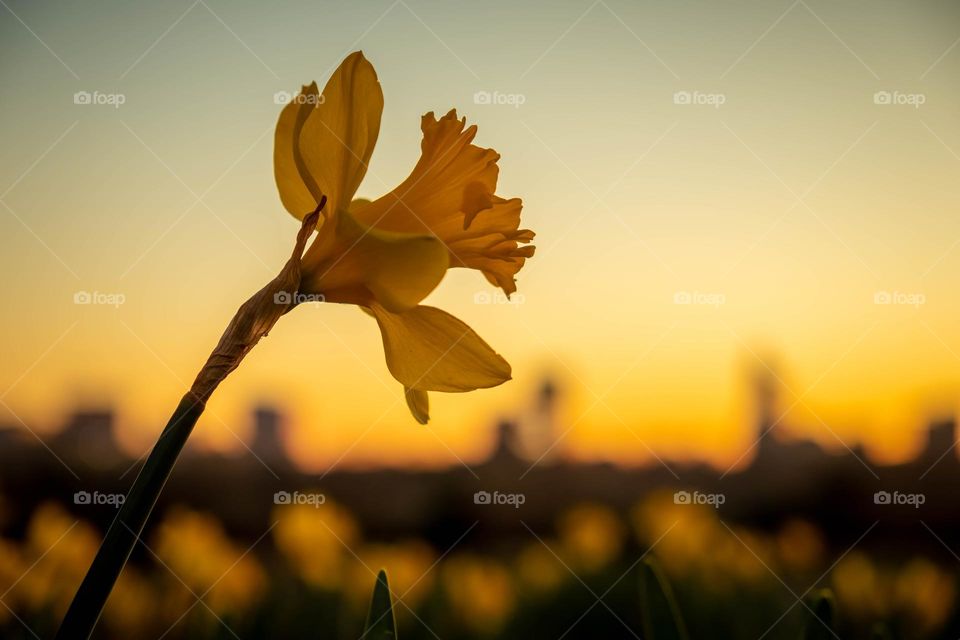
735,350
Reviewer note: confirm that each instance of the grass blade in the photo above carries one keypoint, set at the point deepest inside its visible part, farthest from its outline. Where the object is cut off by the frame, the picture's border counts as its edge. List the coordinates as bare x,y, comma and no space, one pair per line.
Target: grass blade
658,608
381,623
821,623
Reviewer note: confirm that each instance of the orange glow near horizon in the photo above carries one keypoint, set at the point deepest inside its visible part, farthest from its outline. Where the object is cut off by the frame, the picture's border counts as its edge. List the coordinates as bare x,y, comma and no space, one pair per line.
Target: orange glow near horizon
804,223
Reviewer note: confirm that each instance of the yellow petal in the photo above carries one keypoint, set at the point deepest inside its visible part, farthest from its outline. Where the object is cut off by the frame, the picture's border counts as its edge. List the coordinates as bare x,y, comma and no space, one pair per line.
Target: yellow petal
495,244
418,403
429,350
450,193
338,137
356,264
298,192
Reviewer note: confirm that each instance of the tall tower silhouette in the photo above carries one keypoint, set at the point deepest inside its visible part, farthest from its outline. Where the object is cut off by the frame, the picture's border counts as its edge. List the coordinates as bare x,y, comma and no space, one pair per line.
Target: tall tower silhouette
766,386
767,396
267,443
539,438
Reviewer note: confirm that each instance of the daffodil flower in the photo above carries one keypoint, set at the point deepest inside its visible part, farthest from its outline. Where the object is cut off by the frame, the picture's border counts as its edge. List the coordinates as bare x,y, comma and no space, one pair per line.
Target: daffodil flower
388,254
385,256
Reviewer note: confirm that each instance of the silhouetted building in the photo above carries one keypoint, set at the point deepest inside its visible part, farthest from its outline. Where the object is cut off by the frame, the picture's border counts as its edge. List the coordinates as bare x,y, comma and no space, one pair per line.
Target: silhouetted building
780,478
505,447
88,437
941,441
268,436
775,455
539,437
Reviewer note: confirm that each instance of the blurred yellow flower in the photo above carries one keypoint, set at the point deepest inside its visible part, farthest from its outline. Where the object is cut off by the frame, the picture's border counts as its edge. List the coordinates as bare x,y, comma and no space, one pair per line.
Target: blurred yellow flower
61,548
690,541
860,588
131,606
316,541
592,536
926,594
198,551
479,590
388,254
918,592
538,569
800,546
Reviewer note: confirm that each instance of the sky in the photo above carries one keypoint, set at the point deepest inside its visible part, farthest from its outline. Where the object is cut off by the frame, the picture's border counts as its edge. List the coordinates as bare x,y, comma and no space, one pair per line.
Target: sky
718,189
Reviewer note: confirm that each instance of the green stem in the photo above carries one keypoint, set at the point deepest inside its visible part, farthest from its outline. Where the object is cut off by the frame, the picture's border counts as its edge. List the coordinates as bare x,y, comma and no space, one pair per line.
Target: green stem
126,528
253,321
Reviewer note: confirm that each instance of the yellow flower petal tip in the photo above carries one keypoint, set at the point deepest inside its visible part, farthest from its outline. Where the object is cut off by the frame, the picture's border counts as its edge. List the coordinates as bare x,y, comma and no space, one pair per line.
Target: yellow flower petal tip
323,141
386,255
419,404
430,350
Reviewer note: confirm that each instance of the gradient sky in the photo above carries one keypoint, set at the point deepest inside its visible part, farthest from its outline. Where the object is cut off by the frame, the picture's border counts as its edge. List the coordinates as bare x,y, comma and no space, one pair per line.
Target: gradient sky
793,203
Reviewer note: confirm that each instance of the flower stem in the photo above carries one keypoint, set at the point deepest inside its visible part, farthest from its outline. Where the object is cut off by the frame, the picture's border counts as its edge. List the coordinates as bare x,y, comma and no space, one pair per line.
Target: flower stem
126,528
253,321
